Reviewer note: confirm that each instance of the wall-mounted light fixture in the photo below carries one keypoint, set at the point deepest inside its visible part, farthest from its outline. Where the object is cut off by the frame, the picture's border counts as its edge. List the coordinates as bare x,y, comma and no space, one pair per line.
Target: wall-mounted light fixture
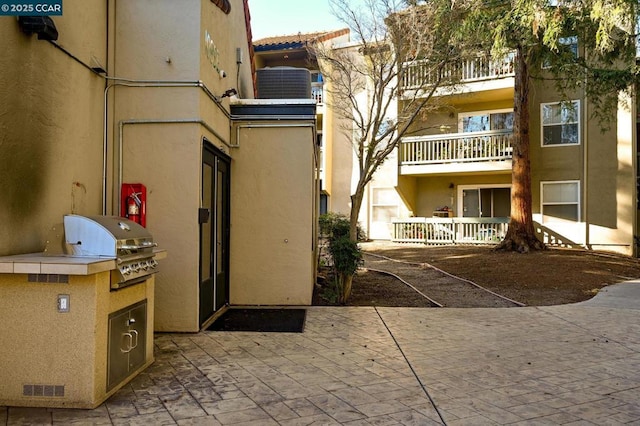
41,25
228,93
96,66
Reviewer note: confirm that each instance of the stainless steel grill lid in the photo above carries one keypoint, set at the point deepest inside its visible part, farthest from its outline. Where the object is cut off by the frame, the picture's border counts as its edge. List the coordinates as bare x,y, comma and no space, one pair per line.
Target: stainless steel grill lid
105,236
115,237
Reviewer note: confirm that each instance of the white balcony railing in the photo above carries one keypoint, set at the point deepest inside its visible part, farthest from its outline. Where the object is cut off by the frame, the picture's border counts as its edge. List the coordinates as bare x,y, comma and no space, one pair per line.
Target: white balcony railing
453,230
494,145
316,92
417,74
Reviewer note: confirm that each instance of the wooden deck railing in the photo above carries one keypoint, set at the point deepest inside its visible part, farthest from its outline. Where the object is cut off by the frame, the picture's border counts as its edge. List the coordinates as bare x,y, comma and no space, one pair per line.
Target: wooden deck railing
495,145
417,74
453,230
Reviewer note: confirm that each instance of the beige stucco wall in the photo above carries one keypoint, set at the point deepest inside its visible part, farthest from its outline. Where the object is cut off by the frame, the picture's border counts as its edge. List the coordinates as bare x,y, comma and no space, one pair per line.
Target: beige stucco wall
273,209
338,152
167,157
50,117
341,163
408,192
604,165
62,349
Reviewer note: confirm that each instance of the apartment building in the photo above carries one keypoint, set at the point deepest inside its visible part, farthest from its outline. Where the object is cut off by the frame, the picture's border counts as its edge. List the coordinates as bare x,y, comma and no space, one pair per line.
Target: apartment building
456,177
450,181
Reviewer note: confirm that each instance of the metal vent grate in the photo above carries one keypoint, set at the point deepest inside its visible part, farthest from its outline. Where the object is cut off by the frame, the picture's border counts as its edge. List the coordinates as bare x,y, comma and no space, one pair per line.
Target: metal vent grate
43,390
48,278
283,83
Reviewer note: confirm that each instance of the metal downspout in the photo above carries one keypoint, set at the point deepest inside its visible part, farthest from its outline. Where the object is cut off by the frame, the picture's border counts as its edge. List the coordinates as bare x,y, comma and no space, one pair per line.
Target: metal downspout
585,172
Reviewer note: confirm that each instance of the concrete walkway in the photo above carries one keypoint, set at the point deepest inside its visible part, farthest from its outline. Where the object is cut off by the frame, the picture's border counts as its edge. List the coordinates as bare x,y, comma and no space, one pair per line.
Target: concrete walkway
574,364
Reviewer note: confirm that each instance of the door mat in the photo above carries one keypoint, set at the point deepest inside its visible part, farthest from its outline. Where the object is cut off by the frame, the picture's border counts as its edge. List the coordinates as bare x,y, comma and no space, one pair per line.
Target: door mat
263,320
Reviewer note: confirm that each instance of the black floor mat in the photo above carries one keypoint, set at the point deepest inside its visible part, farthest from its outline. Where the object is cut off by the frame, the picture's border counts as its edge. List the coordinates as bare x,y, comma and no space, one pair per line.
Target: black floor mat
277,320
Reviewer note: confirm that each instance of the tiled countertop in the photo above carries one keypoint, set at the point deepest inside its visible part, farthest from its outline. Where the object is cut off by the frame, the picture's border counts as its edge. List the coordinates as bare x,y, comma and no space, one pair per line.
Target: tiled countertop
38,263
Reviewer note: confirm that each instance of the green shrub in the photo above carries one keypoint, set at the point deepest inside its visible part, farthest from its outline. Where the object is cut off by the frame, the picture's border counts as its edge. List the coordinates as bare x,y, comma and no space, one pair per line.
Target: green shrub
337,224
345,254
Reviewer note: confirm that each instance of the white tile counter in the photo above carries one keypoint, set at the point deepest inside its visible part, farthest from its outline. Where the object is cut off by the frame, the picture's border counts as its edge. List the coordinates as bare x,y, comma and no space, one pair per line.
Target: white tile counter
38,263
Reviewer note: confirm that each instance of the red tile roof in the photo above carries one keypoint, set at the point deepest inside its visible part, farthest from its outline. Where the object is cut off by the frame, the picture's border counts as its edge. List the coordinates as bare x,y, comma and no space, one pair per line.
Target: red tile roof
300,38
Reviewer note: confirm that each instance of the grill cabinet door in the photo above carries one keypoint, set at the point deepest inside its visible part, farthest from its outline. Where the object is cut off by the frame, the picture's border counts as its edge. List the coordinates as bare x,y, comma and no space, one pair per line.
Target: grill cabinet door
127,342
137,329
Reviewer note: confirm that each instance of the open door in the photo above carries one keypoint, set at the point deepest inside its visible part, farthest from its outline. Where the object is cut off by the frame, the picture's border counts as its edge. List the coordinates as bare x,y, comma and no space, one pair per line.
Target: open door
214,232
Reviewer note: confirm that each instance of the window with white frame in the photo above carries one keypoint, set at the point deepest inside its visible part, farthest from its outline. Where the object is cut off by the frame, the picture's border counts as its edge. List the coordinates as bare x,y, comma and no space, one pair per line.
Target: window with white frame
638,37
486,120
560,201
560,123
384,204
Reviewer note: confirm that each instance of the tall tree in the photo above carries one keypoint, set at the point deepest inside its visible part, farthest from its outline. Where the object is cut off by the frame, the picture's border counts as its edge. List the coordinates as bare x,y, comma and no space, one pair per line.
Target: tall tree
542,32
366,80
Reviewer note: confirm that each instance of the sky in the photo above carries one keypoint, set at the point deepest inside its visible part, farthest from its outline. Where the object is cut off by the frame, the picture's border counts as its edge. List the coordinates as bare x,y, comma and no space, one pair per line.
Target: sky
284,17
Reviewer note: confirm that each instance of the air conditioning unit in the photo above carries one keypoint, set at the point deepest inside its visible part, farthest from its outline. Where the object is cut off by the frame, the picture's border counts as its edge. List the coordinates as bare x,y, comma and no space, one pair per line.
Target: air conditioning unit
283,83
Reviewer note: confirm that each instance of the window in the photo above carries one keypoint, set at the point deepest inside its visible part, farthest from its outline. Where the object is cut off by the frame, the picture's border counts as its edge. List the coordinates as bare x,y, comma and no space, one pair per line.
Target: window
560,123
570,43
565,45
324,203
481,122
319,140
384,204
224,5
484,201
638,37
560,201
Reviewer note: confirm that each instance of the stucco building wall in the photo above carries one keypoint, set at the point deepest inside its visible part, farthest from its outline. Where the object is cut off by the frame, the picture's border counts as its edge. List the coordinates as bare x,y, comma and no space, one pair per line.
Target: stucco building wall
50,118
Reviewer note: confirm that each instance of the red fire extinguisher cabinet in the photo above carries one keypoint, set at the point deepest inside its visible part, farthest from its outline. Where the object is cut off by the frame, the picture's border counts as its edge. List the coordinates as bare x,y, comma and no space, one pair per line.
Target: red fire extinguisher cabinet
133,202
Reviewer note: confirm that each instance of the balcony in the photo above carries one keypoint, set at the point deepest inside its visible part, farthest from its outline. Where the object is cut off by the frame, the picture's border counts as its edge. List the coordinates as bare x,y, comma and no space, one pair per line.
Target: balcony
418,74
456,152
316,93
456,230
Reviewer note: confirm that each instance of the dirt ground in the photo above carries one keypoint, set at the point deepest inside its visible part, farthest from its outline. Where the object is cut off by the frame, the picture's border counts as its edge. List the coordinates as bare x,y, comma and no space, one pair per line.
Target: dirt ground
549,277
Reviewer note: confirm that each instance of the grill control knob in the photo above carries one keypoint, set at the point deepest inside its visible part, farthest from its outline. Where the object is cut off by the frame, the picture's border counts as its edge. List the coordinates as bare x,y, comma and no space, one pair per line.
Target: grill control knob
135,267
152,263
126,270
144,265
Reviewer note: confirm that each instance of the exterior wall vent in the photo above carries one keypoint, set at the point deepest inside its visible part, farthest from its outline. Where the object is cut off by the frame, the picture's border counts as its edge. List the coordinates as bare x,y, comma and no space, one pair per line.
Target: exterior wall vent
283,83
43,390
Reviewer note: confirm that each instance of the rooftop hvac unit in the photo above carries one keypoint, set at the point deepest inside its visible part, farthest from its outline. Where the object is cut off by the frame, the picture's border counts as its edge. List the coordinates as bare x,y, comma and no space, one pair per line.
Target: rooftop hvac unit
283,83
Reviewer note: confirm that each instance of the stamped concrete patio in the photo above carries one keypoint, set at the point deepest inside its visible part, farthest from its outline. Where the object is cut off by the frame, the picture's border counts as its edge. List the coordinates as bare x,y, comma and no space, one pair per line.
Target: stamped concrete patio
572,364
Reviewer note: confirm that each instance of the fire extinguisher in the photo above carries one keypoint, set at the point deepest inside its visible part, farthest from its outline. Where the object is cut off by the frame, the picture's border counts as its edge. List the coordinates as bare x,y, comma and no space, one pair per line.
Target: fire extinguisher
134,204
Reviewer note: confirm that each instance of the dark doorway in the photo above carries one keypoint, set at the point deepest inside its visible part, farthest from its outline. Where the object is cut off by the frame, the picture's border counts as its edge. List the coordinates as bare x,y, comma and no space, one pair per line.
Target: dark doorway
214,232
486,202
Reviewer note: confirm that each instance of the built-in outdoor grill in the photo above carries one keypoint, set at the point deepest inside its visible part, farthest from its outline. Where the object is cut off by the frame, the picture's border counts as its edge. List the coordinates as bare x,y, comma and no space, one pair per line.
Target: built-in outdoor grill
115,237
96,337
